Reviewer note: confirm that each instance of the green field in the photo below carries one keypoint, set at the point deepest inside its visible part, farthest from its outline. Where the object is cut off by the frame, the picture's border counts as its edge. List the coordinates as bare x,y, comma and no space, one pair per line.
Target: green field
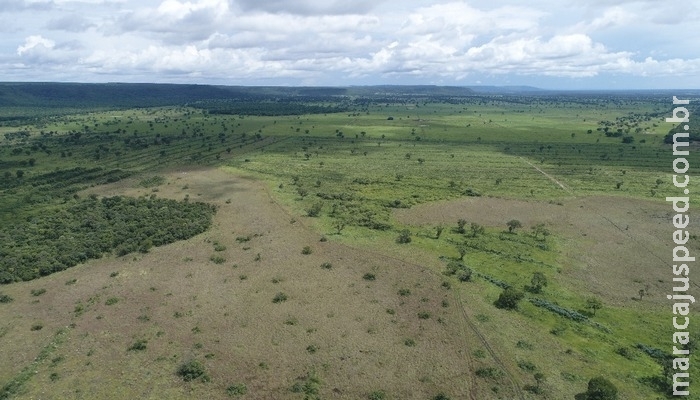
383,177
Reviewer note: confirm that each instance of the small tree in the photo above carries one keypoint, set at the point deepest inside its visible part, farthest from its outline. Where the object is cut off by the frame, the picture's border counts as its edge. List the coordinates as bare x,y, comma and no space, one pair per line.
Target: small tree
404,237
600,388
192,370
513,224
509,299
339,225
594,304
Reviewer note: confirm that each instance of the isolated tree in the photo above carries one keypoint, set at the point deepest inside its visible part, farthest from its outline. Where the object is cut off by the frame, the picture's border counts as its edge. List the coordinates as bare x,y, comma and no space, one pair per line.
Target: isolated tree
600,388
404,236
537,282
509,299
339,225
513,224
594,304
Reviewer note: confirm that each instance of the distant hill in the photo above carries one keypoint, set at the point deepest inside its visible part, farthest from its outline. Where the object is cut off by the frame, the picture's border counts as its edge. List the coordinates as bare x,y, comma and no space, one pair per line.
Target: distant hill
61,95
505,89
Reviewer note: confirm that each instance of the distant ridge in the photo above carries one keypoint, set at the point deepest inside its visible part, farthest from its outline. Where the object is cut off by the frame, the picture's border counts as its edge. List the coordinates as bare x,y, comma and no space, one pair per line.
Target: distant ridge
505,89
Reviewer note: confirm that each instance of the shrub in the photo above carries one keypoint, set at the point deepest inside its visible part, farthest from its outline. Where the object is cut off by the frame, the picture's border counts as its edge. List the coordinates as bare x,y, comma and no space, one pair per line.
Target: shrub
306,250
465,275
489,372
219,247
404,292
138,345
369,276
509,299
37,326
314,210
409,342
311,348
377,395
5,298
527,366
111,301
217,259
424,315
243,239
326,265
600,388
192,370
38,292
404,237
279,297
237,389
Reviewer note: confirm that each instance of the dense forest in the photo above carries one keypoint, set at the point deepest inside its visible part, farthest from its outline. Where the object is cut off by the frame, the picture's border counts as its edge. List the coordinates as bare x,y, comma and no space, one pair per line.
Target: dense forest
88,228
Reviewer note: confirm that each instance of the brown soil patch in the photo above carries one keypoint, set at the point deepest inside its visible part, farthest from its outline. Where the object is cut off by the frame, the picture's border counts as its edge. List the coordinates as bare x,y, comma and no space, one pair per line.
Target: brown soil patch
612,246
334,322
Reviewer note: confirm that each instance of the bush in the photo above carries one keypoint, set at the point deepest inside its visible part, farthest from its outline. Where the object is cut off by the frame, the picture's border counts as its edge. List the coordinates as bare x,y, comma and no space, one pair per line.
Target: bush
314,210
38,292
306,250
111,301
489,372
369,276
37,326
237,389
138,345
217,259
465,275
326,265
377,395
509,299
192,370
279,297
404,237
5,298
600,388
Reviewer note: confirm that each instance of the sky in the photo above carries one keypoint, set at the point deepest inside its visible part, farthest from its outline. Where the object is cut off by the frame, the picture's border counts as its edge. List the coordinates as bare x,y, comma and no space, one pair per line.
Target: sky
553,44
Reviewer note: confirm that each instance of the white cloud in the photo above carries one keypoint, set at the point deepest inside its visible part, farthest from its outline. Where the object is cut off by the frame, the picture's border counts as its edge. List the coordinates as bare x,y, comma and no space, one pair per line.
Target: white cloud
340,42
35,43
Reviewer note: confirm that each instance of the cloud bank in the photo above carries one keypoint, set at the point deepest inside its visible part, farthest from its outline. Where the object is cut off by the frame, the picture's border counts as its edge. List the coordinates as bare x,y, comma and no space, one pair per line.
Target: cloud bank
549,43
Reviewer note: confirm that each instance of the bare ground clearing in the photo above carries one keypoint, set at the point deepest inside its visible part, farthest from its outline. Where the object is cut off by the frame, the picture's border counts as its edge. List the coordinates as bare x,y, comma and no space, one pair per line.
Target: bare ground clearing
334,322
612,246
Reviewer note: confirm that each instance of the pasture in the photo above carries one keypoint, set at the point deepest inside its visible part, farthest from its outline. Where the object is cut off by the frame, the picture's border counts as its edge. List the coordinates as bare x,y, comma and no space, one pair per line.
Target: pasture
336,265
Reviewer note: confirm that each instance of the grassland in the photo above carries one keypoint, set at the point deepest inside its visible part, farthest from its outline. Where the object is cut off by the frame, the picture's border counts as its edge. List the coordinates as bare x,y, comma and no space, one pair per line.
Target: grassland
300,289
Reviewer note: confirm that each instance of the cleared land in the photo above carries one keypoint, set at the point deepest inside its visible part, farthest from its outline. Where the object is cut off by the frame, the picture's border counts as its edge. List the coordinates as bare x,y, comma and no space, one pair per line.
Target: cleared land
336,265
